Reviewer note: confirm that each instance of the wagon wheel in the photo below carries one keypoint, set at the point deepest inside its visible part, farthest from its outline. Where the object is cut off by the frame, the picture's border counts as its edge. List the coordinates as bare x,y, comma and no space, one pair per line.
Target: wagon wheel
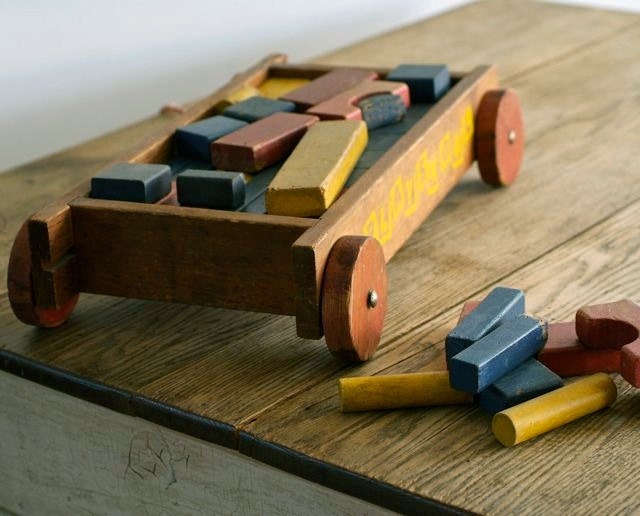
354,297
499,137
20,288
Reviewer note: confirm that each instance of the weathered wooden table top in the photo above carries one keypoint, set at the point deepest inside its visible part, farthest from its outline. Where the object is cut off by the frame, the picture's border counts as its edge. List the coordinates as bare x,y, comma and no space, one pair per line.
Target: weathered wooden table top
567,232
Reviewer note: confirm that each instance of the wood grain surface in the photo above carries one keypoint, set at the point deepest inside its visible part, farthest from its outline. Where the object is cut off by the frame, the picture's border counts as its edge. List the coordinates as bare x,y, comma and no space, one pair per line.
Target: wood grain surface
566,232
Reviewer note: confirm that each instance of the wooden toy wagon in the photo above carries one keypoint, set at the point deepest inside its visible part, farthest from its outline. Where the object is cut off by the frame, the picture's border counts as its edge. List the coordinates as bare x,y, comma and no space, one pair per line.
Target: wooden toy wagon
329,271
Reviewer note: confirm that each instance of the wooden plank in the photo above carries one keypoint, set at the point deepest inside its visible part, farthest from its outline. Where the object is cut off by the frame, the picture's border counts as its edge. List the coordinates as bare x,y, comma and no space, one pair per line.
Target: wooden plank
104,459
395,195
199,256
499,32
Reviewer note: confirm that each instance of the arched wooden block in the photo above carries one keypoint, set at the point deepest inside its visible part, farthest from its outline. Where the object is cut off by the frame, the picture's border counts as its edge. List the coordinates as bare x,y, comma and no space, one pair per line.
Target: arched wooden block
613,326
565,355
345,105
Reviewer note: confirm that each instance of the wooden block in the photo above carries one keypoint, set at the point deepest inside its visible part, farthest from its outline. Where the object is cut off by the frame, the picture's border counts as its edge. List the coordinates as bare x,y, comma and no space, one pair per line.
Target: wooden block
427,83
262,143
467,308
134,182
415,113
246,91
257,107
399,391
554,409
327,86
497,353
211,189
565,355
608,325
381,110
180,164
311,179
613,326
276,87
502,304
194,140
529,380
345,105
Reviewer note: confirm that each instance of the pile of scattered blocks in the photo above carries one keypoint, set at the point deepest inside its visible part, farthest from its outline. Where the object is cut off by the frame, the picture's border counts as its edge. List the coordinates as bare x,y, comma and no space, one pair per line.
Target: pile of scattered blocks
288,148
510,364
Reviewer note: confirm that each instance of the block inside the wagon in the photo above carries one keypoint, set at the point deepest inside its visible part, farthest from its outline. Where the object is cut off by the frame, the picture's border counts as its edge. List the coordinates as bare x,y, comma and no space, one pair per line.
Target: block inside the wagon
313,176
262,147
194,140
258,107
133,182
427,82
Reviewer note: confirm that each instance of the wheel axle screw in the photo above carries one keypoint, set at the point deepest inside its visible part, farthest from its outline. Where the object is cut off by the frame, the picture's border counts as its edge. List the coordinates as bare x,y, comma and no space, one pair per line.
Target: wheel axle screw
512,136
372,299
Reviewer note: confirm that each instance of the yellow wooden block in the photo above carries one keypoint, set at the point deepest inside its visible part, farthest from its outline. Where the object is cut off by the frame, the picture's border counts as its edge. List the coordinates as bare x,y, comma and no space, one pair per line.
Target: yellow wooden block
313,176
239,94
399,391
275,87
554,409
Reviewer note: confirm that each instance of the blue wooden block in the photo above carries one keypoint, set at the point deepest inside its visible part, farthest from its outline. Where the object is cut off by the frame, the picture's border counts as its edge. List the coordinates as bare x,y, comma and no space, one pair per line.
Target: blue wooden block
497,353
381,110
427,83
255,108
527,381
211,189
134,182
194,140
179,164
502,304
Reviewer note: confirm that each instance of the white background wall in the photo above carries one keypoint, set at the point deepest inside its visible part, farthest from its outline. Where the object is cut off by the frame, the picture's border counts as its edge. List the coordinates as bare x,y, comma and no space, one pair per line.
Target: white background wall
73,69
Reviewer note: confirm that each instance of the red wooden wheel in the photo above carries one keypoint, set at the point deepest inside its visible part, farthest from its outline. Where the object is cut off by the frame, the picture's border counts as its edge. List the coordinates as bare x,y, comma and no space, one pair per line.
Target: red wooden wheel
499,137
20,288
354,297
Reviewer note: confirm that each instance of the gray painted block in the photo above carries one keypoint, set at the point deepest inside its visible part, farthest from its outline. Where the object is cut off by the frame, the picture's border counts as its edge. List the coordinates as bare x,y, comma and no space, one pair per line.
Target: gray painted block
382,110
194,140
427,83
255,108
527,381
134,182
211,189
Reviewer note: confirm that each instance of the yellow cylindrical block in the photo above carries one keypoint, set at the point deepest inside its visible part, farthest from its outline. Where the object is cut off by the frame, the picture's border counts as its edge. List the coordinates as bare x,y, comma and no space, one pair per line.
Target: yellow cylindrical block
398,391
556,408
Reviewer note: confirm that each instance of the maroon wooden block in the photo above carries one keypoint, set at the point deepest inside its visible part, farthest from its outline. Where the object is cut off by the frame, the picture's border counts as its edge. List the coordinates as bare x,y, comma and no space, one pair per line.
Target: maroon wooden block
565,355
261,143
613,326
328,85
345,105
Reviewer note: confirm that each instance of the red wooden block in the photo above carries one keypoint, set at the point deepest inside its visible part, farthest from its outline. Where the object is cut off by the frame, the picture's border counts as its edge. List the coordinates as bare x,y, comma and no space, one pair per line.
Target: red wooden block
345,105
327,86
260,144
565,355
613,326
